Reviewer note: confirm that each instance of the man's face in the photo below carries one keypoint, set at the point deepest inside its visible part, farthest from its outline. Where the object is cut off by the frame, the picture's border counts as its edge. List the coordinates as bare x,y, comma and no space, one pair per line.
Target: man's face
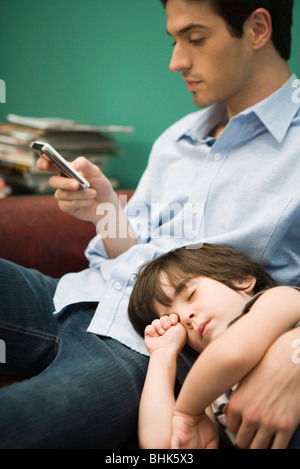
215,65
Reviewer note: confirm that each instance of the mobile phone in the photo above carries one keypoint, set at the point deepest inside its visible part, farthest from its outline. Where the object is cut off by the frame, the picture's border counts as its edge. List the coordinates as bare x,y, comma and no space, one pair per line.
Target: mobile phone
65,168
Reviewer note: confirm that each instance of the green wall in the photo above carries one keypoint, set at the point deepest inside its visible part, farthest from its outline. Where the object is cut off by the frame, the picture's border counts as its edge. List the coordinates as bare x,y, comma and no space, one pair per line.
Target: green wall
97,61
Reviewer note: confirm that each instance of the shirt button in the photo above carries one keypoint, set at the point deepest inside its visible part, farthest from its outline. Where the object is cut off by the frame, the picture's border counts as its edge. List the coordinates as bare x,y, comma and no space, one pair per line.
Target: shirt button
140,263
194,209
117,286
217,156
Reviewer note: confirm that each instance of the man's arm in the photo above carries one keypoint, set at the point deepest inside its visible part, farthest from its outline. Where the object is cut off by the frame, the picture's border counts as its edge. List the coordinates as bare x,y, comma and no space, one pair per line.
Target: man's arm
264,411
111,223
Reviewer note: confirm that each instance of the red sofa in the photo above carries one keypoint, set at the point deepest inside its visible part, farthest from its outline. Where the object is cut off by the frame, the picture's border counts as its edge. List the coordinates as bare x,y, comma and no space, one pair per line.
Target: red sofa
35,233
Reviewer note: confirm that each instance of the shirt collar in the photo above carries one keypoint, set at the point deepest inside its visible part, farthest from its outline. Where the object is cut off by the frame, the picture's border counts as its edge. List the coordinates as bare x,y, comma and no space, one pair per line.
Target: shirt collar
278,110
276,113
208,119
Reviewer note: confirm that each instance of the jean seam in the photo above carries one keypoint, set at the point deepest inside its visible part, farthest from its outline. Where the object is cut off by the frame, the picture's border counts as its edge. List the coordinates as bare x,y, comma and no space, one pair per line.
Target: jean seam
41,335
62,328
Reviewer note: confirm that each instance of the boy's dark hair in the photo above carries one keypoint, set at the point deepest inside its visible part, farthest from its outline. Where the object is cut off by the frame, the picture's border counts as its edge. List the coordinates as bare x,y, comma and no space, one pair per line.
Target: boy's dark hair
220,263
236,12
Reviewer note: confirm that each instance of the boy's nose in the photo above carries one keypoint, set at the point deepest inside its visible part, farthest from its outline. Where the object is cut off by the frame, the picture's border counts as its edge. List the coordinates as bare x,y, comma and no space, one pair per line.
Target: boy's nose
188,317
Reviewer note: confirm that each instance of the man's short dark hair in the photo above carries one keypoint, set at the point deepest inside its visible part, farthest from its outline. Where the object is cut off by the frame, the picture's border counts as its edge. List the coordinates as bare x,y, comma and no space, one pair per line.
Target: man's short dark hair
236,12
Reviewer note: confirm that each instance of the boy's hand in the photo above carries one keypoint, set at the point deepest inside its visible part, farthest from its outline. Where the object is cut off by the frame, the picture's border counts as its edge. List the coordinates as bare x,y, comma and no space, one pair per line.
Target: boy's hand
193,432
165,333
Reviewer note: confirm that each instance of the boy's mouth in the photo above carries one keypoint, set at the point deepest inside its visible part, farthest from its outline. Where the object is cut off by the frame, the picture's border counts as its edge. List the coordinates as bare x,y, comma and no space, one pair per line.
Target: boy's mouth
202,329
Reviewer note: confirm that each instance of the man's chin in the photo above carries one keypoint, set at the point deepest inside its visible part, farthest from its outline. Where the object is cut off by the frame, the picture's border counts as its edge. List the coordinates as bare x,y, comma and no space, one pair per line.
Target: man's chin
202,102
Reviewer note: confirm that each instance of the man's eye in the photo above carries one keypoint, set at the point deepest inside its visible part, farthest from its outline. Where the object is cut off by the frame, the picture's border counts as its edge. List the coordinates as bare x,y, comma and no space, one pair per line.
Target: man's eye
196,42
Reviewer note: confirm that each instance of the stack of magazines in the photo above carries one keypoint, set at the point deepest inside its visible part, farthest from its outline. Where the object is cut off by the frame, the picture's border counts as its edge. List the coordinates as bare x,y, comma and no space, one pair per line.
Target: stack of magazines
69,138
4,189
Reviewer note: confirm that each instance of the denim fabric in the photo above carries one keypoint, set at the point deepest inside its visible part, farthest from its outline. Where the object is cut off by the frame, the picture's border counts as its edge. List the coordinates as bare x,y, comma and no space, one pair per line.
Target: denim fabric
81,390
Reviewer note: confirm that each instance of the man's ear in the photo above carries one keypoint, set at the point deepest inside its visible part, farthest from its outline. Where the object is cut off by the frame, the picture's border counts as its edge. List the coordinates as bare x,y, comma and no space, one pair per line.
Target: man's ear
259,25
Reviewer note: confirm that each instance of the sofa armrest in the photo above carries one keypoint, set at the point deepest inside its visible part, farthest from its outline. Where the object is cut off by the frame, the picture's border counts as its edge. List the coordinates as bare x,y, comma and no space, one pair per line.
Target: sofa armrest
35,233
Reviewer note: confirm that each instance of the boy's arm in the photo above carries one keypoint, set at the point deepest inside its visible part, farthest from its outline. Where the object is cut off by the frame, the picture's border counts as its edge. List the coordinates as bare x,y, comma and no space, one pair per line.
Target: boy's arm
157,402
164,341
230,357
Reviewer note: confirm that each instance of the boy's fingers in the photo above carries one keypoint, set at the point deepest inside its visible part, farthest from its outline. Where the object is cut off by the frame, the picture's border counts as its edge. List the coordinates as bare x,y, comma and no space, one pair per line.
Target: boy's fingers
166,322
174,319
150,331
158,326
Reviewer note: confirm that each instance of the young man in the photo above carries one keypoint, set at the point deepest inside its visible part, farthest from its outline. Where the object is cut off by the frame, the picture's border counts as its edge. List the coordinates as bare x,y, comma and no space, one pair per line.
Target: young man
228,175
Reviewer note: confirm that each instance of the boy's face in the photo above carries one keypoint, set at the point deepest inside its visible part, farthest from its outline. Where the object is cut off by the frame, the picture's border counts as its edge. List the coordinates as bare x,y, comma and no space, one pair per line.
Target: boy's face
205,307
215,65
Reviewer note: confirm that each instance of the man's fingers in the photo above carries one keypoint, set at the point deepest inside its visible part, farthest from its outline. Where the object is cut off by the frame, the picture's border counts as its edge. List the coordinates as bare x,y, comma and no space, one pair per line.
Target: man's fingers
245,435
63,183
234,419
281,440
42,164
83,165
70,195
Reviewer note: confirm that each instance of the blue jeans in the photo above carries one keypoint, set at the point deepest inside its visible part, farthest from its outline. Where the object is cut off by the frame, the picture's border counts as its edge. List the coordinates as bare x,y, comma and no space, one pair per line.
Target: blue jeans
80,390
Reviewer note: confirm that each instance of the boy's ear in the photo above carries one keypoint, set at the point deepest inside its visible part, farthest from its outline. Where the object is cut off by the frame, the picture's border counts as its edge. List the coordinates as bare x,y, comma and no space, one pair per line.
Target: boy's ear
248,284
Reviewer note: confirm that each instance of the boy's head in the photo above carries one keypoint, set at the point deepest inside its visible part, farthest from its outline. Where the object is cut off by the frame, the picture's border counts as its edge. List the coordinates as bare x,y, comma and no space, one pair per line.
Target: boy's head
177,268
236,12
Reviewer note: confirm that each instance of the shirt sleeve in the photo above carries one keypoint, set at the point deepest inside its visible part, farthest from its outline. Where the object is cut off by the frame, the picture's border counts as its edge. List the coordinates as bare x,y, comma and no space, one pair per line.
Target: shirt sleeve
137,210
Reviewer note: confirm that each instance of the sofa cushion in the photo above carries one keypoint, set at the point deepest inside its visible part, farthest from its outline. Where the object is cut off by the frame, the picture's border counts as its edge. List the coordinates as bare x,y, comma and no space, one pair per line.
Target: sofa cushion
35,233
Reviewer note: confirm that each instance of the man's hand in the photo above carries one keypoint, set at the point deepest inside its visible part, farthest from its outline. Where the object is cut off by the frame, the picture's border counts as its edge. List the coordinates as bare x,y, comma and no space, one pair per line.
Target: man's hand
81,204
99,204
264,411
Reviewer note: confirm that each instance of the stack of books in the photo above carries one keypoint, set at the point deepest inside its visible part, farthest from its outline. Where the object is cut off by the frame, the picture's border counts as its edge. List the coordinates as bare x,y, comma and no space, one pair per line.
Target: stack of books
4,189
69,138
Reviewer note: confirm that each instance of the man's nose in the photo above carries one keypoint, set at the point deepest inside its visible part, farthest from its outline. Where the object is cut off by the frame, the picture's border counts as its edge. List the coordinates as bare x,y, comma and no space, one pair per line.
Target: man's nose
180,60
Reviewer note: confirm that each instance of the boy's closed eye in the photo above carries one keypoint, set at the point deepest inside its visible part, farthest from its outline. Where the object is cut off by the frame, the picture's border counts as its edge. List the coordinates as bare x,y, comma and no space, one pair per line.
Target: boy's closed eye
191,294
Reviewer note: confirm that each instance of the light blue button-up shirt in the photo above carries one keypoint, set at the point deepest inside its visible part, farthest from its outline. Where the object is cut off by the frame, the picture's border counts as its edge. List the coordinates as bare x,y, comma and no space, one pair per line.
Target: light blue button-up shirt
241,190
